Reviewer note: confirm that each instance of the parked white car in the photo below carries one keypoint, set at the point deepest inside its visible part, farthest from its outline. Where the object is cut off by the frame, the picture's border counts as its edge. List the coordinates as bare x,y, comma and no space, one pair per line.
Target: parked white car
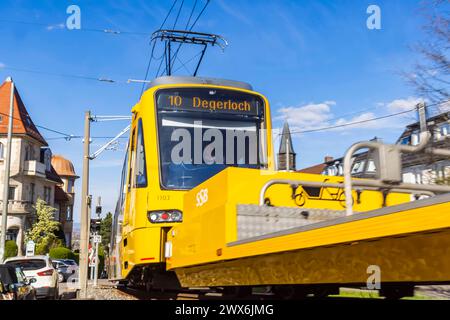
41,269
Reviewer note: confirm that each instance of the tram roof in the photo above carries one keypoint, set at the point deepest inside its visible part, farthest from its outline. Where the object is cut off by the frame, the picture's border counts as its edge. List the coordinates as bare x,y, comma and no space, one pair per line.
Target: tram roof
199,80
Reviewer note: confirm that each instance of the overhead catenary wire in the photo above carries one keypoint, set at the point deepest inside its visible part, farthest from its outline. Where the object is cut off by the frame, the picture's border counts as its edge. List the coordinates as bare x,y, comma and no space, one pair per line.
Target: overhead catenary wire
165,50
351,123
191,27
63,75
362,121
62,26
39,126
153,47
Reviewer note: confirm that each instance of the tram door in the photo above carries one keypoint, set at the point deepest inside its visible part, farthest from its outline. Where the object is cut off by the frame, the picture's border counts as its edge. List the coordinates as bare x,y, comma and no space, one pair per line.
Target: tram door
128,201
137,181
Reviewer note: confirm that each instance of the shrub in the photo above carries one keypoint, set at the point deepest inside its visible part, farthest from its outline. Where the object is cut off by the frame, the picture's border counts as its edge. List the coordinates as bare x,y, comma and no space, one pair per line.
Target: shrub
76,257
101,260
10,249
61,253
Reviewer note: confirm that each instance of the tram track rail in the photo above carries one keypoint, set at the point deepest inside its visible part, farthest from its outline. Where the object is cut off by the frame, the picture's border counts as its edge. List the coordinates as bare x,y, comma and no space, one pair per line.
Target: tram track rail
204,295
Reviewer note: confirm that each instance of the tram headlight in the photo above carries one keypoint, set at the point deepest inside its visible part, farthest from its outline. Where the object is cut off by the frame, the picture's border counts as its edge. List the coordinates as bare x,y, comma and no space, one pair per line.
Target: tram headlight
165,216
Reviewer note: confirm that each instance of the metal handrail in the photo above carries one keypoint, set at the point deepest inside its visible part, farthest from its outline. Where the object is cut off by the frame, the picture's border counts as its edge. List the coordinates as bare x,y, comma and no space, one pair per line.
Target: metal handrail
424,139
361,184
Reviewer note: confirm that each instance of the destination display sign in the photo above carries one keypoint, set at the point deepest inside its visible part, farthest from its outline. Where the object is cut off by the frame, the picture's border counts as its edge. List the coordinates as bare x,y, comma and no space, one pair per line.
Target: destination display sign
209,100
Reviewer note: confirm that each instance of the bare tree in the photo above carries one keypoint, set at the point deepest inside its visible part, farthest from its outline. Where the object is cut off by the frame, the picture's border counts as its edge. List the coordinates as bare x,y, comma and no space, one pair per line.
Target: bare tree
431,76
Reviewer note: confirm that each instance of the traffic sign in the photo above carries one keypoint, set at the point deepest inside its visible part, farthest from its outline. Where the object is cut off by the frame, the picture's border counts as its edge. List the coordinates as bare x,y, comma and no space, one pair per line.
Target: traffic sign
30,248
92,261
97,238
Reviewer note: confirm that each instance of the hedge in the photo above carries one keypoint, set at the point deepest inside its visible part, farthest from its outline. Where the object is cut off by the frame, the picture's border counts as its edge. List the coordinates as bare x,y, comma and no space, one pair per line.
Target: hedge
61,253
10,249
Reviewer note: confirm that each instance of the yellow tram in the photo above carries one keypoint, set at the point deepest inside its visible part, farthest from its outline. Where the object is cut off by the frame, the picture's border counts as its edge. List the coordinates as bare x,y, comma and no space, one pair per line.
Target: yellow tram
201,204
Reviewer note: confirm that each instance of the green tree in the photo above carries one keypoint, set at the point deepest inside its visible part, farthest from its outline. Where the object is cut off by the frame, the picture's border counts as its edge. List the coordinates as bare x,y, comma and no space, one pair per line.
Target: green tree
105,229
43,230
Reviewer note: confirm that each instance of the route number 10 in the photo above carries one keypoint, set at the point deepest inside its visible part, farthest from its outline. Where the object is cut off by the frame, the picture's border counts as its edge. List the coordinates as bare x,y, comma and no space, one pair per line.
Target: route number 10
175,101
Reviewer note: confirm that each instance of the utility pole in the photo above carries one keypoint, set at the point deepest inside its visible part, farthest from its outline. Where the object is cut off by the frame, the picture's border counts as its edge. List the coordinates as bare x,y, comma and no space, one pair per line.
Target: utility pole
422,113
96,240
85,211
6,174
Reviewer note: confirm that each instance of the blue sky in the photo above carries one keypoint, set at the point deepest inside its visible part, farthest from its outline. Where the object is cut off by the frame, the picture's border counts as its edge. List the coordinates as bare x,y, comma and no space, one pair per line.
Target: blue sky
316,61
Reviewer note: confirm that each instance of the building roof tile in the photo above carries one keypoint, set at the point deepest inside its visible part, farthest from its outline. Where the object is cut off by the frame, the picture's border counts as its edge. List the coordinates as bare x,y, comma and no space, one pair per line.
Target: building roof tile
22,123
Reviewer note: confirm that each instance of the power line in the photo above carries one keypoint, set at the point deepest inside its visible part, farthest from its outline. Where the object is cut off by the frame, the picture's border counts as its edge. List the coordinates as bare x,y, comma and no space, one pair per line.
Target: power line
352,123
178,15
62,26
191,27
364,121
66,135
63,75
200,14
173,27
187,26
153,48
184,63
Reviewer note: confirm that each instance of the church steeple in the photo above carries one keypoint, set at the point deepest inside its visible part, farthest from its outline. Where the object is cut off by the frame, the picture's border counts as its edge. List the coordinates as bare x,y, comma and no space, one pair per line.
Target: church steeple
286,152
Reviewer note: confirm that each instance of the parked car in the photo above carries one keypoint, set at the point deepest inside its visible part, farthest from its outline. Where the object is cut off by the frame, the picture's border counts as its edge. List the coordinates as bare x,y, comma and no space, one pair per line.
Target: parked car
41,269
70,262
65,270
14,285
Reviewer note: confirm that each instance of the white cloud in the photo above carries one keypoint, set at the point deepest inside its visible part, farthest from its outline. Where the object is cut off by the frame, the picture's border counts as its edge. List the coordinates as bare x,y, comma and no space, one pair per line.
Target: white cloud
56,26
316,116
362,117
400,105
308,116
234,12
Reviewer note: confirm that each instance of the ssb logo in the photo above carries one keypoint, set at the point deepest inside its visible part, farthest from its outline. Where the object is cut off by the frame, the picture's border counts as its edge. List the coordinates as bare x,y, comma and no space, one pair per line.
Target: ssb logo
202,197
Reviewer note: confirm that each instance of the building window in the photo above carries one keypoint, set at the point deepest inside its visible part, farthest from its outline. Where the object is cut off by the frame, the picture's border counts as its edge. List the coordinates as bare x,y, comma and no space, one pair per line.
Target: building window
445,129
12,193
1,150
32,192
69,186
69,211
371,166
418,176
48,160
29,152
11,234
57,212
406,140
415,139
47,194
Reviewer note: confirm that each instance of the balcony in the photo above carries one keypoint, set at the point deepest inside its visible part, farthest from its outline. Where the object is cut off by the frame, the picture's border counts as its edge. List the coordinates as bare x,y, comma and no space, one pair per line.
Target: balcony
34,168
18,206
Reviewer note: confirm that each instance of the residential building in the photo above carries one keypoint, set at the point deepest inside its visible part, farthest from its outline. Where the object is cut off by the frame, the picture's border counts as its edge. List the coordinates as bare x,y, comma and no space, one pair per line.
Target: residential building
422,168
65,195
419,168
32,175
318,168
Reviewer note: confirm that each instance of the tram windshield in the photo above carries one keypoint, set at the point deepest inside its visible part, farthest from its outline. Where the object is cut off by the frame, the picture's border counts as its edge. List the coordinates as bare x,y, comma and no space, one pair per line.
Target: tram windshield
203,131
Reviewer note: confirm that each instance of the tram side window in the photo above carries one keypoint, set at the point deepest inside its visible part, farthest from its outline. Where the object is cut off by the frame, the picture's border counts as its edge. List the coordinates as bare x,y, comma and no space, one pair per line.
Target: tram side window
141,172
132,150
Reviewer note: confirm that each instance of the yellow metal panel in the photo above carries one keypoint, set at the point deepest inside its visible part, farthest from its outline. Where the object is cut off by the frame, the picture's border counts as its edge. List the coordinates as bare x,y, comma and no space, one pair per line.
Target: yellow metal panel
419,258
208,228
143,247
